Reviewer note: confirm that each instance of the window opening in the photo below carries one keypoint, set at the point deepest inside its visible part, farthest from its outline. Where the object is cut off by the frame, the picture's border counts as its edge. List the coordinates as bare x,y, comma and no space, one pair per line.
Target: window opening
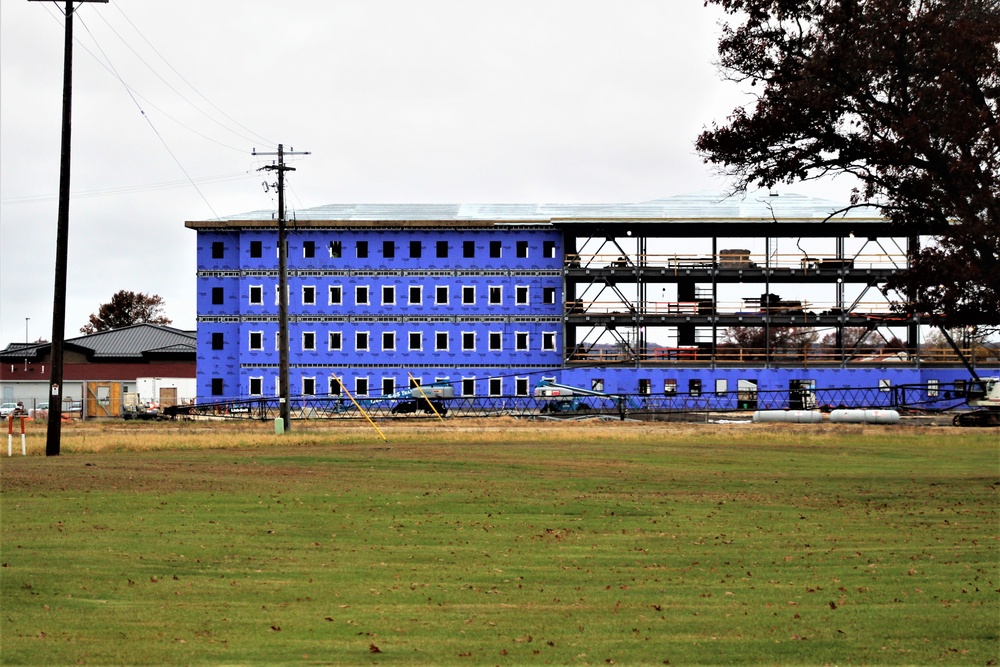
746,394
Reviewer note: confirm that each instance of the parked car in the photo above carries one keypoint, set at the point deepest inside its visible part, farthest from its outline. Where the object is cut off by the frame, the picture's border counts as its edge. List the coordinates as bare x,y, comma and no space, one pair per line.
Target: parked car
40,411
8,409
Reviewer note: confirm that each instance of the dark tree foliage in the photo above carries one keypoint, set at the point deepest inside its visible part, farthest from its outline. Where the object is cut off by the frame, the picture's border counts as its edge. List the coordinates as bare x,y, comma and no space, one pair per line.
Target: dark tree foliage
755,342
903,95
125,309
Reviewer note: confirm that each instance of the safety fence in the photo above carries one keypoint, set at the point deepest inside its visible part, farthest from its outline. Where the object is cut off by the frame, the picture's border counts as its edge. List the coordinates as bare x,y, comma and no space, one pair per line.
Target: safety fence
913,398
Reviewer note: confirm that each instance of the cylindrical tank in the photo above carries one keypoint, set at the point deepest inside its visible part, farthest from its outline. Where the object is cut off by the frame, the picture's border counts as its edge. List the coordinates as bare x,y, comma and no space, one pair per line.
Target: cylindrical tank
845,416
788,416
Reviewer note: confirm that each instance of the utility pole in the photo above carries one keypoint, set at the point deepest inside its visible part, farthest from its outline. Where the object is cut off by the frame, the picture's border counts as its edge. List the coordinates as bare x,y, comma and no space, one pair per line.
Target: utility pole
281,168
54,433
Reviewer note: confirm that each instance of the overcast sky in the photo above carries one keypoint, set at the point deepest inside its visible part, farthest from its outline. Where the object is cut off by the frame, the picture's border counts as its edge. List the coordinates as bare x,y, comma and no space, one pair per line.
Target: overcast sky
443,101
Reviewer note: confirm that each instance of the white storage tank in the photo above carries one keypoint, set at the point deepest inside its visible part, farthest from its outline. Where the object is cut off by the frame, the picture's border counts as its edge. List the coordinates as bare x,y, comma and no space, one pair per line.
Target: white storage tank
788,416
851,416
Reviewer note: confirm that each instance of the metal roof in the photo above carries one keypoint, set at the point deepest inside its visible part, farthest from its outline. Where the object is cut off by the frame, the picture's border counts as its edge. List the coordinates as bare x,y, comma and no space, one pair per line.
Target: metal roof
135,342
699,206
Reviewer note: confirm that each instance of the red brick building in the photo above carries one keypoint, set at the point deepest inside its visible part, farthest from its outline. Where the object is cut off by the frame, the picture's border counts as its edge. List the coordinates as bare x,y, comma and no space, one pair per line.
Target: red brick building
101,370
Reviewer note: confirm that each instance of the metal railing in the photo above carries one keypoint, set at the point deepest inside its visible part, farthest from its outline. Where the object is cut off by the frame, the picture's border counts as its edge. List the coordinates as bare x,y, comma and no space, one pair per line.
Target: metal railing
787,261
663,406
801,356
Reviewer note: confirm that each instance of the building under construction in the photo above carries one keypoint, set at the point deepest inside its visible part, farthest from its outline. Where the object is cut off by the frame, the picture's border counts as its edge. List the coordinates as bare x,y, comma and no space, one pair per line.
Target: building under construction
694,296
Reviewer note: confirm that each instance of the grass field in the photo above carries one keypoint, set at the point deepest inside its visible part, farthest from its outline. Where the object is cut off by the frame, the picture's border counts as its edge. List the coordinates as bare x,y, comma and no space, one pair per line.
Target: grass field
502,542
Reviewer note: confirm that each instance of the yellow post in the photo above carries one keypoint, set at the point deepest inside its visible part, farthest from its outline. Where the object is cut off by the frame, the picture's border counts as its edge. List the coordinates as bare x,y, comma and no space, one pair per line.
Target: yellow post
343,388
424,394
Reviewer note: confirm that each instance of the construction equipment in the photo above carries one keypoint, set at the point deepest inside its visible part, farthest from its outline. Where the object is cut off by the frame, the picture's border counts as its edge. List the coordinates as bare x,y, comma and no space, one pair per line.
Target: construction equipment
564,398
983,395
428,398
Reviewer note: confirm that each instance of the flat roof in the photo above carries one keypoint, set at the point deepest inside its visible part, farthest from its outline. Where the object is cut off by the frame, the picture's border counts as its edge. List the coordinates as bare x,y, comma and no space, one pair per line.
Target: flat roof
666,216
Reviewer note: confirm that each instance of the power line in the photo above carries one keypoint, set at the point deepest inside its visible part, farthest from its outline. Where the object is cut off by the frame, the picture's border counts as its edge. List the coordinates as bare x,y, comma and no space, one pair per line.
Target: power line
255,136
134,93
152,127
